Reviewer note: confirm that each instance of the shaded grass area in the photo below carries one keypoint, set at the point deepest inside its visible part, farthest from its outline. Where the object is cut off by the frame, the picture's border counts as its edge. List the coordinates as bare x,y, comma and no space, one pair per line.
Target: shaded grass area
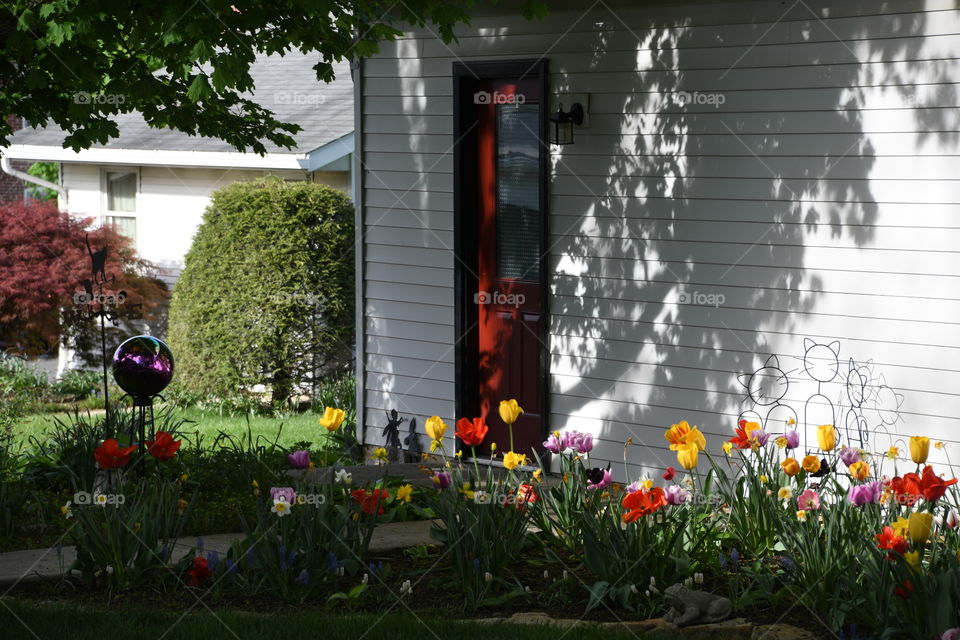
292,428
30,620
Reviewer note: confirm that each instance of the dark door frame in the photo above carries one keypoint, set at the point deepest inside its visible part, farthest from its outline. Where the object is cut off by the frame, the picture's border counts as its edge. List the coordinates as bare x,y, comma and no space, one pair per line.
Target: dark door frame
466,383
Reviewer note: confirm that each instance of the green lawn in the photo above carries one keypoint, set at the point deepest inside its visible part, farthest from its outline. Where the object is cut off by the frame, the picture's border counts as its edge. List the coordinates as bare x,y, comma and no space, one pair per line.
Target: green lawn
295,428
32,620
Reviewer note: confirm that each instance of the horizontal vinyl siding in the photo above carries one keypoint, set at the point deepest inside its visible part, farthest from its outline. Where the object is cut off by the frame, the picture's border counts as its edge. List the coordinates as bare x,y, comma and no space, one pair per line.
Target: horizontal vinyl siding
821,199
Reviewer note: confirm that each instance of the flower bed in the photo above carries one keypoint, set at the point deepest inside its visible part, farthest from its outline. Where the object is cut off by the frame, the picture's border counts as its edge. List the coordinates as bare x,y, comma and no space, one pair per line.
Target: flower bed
858,542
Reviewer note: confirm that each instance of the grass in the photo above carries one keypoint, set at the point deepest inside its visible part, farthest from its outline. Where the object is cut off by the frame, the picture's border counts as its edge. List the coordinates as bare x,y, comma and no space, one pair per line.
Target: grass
31,620
295,427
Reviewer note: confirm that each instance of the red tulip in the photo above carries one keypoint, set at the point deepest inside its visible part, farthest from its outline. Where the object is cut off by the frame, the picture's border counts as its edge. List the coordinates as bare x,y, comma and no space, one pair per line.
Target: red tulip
164,447
669,474
903,590
890,541
742,439
911,487
110,456
198,572
643,503
471,432
371,501
932,485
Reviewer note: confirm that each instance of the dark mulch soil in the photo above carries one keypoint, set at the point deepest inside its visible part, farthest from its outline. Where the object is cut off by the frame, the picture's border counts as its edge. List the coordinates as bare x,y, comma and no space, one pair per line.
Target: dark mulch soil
434,594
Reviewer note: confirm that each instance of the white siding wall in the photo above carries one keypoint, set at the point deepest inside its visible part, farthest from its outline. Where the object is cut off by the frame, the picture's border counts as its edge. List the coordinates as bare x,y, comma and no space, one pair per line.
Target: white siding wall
170,202
821,199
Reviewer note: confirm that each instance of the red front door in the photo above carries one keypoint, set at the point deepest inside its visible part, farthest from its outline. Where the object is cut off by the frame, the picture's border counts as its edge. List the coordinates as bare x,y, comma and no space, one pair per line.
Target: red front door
509,225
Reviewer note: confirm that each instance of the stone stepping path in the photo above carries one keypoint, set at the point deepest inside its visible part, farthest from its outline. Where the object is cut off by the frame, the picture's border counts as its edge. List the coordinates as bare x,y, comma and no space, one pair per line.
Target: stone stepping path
34,564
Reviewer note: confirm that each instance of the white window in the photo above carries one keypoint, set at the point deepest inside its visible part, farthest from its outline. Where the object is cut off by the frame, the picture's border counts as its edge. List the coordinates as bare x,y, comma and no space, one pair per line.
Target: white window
120,201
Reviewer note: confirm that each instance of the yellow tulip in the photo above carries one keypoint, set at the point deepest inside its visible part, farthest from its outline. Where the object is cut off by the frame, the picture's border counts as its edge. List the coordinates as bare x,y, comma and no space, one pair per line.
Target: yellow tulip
510,410
687,455
435,427
859,470
512,460
675,433
332,418
918,526
913,559
919,448
826,437
682,433
811,464
790,467
695,437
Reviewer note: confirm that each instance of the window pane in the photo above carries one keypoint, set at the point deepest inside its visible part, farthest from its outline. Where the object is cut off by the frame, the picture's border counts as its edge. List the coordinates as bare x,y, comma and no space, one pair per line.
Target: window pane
121,191
518,192
124,225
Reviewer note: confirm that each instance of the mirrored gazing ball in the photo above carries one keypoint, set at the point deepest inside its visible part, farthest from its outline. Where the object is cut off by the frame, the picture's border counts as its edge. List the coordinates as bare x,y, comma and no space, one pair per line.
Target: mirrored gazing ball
143,366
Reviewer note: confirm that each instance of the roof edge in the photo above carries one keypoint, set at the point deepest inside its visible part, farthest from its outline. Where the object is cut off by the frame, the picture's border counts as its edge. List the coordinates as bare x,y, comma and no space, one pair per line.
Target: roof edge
328,153
214,159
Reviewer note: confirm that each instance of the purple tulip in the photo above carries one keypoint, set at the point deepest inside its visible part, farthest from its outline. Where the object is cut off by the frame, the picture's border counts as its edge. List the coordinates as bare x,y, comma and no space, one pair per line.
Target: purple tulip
762,436
793,439
442,479
582,442
849,456
598,478
299,459
862,494
576,441
286,494
675,494
554,444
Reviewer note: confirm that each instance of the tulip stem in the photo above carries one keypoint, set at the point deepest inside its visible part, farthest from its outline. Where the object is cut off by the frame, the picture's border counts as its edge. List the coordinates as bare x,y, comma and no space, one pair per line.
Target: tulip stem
476,467
510,428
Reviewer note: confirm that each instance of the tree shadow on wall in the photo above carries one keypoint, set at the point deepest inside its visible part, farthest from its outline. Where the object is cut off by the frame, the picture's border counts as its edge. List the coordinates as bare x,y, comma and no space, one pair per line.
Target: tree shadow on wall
692,225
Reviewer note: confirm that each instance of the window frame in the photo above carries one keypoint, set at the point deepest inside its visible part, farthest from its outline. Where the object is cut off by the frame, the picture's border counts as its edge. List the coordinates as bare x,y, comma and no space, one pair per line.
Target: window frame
105,211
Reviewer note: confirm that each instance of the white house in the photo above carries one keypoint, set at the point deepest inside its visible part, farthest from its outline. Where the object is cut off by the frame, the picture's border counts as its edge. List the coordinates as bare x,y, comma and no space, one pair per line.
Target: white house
154,184
746,175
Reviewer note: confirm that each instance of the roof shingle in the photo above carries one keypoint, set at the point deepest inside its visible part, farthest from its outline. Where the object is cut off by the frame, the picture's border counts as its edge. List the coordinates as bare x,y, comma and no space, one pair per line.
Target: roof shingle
286,85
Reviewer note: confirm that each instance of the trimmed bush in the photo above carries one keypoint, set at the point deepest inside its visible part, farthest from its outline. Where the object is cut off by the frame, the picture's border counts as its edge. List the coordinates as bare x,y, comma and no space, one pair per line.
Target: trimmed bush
267,293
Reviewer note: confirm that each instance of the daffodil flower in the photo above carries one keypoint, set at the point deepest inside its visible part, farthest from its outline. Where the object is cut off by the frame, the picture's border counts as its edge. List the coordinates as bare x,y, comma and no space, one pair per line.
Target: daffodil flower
512,460
281,508
405,493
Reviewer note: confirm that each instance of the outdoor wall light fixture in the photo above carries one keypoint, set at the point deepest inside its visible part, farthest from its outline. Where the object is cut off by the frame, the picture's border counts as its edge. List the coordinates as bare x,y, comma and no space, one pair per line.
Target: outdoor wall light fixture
564,121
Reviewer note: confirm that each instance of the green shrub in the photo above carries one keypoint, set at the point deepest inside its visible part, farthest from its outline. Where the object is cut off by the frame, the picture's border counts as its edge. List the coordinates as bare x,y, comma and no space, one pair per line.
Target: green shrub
266,296
77,383
21,388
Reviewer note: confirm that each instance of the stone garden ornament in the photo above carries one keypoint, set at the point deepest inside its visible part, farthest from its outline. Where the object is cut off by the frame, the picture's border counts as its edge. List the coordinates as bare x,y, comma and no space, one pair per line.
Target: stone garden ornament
689,607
